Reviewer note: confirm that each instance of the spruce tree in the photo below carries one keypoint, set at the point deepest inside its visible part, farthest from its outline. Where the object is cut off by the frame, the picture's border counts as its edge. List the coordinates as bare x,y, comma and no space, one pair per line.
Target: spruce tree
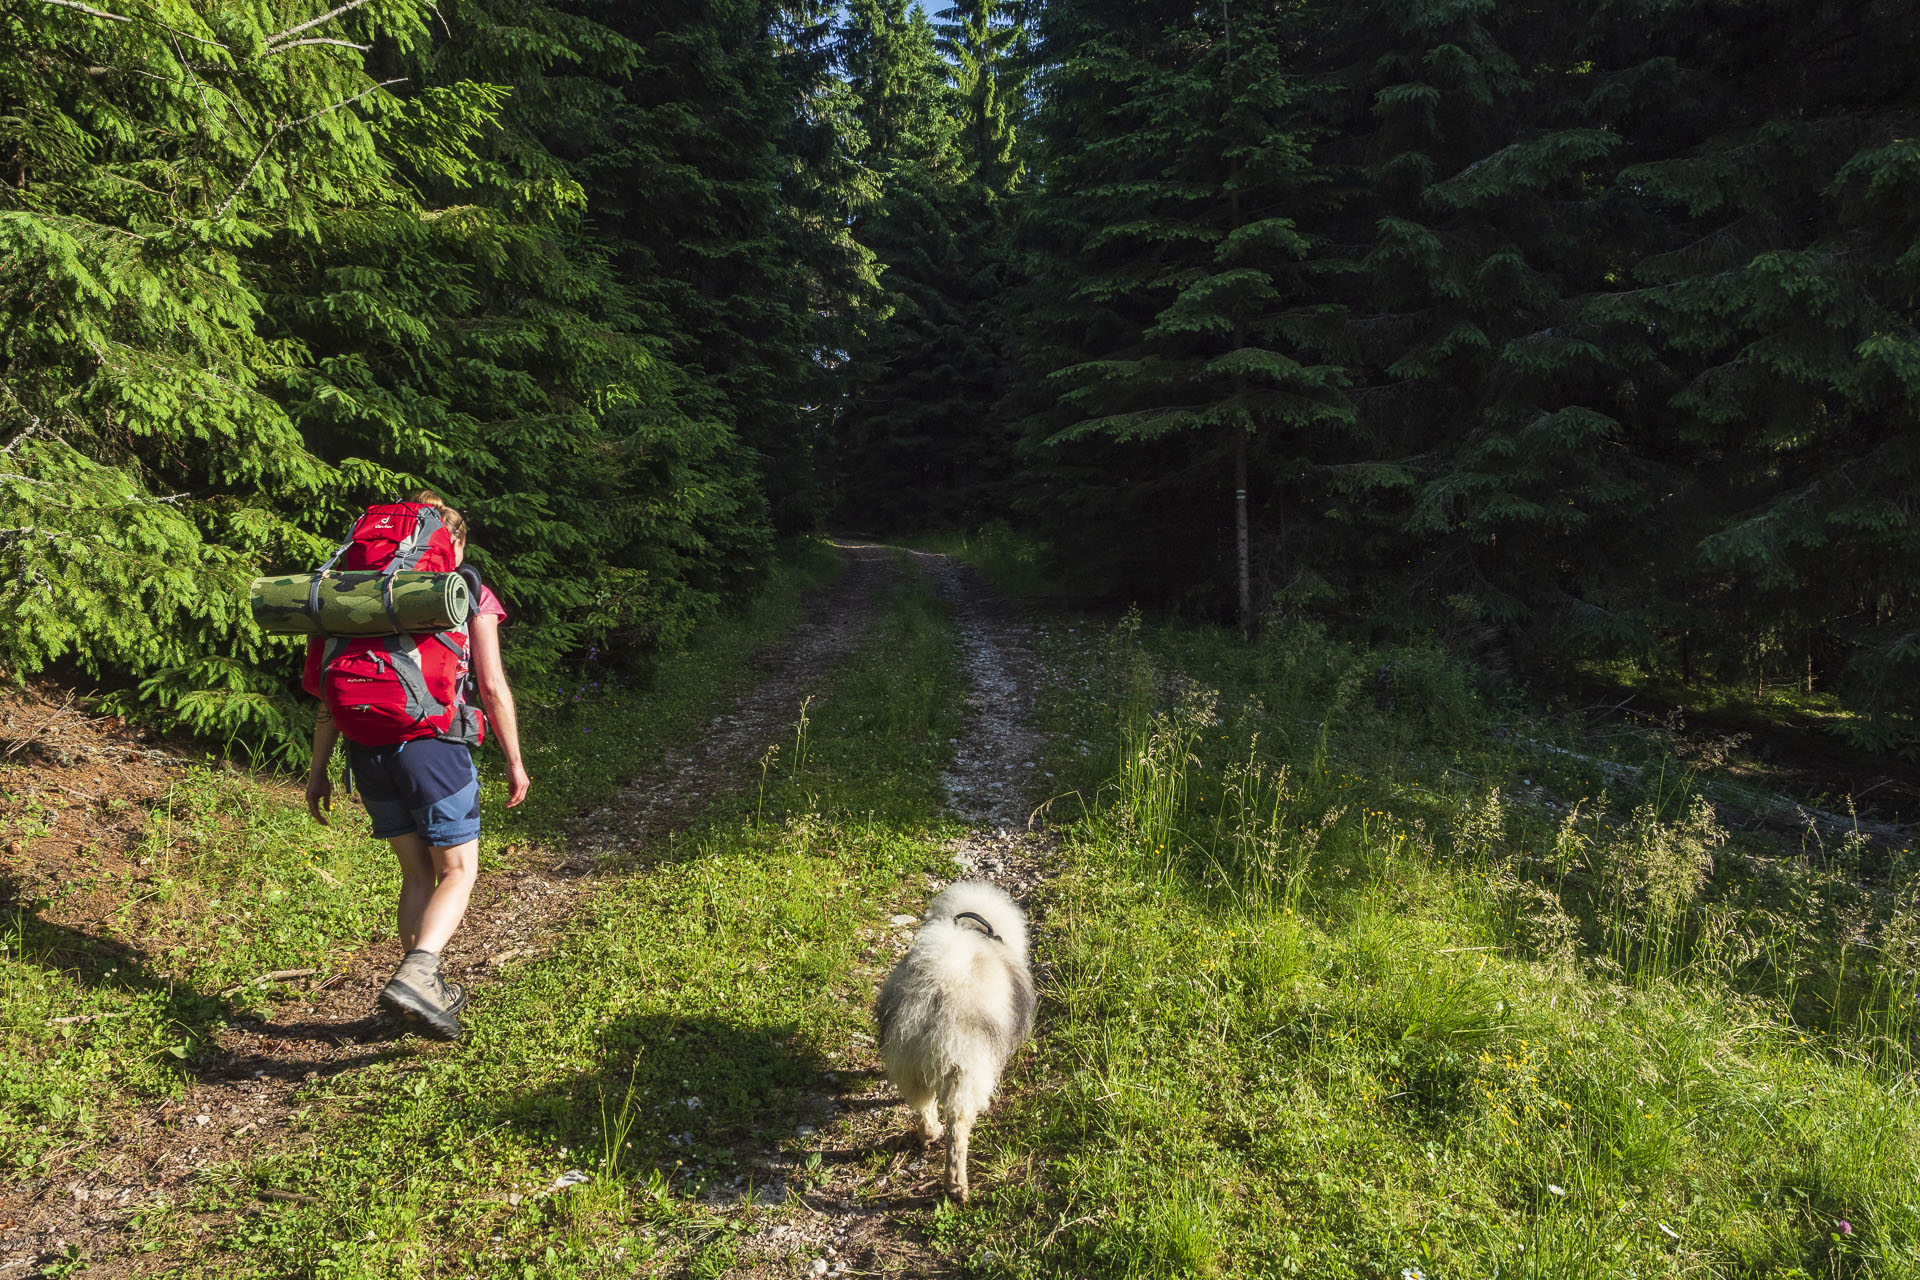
1178,354
982,40
157,153
921,436
254,274
1776,183
689,184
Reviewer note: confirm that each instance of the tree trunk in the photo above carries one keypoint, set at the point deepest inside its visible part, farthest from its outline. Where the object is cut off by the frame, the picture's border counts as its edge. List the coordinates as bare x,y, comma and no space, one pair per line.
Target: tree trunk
1241,557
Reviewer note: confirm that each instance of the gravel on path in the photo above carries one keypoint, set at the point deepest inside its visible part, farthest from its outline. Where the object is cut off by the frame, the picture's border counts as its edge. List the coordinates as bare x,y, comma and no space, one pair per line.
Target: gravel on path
849,1218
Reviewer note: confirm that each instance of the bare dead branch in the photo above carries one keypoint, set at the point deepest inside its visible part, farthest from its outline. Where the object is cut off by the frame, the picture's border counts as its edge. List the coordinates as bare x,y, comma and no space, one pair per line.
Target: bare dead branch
308,25
84,1018
89,10
295,44
344,102
273,137
92,12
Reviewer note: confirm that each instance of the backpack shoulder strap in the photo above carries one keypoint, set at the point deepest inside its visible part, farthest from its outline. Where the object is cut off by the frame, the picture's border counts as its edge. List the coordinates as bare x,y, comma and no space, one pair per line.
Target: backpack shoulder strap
409,552
313,588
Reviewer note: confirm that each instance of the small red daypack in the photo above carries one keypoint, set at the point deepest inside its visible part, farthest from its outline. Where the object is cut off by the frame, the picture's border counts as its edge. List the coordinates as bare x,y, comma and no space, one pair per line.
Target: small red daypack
387,689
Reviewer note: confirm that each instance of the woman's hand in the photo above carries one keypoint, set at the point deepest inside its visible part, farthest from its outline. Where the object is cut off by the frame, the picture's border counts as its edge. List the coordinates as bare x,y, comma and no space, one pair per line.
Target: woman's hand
319,785
319,797
484,633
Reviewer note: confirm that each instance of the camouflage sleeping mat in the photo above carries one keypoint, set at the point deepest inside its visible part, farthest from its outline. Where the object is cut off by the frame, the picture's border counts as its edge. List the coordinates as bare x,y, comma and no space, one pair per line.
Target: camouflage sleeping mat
357,603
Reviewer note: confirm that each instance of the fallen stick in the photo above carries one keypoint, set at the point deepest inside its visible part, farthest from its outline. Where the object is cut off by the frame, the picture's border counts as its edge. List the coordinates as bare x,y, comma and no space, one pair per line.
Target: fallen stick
78,1018
44,725
1780,812
281,975
1055,1233
1611,768
278,975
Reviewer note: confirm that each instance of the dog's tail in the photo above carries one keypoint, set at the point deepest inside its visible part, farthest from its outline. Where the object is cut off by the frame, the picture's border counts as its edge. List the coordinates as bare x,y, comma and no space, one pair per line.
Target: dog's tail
986,904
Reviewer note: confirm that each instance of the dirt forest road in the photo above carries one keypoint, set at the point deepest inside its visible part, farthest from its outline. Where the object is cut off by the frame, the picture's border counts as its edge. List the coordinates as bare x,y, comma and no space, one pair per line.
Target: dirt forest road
856,1222
245,1089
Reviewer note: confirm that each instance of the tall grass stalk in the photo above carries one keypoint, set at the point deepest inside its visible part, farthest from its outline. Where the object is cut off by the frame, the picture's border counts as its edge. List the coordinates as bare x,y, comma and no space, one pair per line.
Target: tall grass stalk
1890,1016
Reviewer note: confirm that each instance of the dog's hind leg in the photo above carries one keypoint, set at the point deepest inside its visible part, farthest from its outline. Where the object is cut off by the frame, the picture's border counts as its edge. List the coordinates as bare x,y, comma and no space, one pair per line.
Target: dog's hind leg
957,1157
955,1111
925,1105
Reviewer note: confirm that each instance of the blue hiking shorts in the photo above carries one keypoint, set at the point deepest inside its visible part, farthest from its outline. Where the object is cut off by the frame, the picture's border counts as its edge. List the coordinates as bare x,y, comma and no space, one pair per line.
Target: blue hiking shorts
425,786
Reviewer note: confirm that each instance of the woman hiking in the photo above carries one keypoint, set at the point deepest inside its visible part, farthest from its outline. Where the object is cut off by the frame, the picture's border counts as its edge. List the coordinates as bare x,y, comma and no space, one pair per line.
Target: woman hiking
423,793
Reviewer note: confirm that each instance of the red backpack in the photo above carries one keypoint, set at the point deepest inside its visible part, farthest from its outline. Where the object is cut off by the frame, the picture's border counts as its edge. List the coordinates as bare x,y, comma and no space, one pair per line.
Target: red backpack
387,689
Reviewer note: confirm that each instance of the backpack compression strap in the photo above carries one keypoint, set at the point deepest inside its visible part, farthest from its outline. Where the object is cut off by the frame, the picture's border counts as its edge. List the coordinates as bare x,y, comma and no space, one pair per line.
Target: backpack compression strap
406,556
405,653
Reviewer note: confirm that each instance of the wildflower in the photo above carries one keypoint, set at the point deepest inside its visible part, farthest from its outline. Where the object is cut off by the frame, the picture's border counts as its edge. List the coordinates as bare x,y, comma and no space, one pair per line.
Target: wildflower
1559,1191
1413,1273
1846,1228
1667,1231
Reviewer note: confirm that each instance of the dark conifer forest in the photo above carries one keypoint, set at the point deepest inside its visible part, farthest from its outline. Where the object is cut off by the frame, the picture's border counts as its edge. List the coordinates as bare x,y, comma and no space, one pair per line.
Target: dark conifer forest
1560,333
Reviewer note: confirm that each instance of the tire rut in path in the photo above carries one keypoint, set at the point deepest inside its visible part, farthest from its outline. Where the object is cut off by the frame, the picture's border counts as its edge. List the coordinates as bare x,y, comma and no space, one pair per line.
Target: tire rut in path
248,1085
851,1220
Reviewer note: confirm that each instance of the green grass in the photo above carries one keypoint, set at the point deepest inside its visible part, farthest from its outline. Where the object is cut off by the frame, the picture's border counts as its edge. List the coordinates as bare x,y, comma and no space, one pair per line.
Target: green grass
672,1041
233,880
1014,563
1336,990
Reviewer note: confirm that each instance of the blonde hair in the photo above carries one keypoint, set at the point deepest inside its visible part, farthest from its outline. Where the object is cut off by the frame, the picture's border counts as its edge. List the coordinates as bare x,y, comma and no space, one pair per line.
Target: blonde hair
455,522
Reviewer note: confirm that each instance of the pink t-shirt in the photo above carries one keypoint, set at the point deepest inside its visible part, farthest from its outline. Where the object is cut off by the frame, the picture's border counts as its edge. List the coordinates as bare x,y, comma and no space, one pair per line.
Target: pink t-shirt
490,604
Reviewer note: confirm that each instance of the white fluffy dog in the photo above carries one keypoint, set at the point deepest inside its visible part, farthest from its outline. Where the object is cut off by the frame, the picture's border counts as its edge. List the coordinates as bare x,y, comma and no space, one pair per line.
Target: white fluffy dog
954,1010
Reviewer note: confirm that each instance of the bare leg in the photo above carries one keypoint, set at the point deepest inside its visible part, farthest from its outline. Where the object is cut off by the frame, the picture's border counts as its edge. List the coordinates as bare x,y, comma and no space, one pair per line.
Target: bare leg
957,1157
455,868
416,885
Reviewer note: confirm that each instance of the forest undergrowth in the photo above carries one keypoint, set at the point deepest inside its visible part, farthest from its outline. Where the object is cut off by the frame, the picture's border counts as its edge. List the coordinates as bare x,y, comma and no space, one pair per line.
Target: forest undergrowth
1360,973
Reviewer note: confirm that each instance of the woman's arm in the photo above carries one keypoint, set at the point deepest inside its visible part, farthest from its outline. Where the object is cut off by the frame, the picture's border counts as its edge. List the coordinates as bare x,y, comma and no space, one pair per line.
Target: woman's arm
319,783
497,698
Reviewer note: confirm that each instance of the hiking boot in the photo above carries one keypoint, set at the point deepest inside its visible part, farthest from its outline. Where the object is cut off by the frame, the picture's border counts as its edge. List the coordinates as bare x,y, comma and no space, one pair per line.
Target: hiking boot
417,993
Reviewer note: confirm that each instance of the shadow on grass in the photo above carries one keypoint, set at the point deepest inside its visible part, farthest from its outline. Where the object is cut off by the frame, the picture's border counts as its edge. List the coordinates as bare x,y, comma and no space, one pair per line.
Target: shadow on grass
98,963
703,1094
120,972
